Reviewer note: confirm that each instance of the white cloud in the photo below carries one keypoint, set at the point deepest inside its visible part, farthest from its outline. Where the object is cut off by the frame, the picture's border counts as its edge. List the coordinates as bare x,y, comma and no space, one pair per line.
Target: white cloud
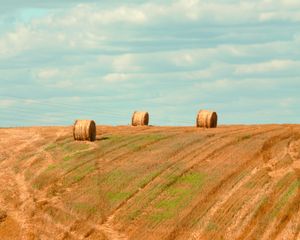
274,65
226,86
126,63
185,59
116,77
58,78
16,41
91,14
6,103
269,16
290,4
87,26
48,73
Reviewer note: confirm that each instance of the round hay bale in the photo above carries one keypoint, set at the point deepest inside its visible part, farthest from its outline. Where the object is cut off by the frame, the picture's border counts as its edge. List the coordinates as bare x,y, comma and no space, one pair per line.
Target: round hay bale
84,130
207,119
140,119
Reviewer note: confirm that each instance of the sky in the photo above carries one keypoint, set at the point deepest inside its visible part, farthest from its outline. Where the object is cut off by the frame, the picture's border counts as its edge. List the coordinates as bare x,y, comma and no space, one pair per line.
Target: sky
102,60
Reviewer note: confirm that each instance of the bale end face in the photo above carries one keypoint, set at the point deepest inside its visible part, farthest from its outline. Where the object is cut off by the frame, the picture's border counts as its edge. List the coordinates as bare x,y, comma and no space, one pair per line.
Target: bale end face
84,130
207,119
140,119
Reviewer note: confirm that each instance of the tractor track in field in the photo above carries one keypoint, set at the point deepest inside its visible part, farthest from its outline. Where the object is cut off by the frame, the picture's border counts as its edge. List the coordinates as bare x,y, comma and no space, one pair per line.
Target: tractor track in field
212,194
266,165
188,159
108,226
24,201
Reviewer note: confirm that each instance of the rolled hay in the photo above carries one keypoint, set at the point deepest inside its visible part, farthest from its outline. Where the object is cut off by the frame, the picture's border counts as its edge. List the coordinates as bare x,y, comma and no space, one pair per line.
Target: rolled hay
84,130
207,119
140,119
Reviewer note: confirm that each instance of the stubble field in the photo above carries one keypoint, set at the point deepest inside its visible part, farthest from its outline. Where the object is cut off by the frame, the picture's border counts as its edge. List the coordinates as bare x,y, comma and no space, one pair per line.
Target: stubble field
232,182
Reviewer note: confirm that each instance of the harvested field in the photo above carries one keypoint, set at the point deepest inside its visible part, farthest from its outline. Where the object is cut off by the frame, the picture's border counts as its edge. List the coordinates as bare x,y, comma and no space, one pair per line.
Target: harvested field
230,182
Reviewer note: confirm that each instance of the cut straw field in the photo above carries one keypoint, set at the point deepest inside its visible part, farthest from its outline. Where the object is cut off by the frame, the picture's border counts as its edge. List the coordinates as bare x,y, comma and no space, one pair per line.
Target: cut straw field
230,182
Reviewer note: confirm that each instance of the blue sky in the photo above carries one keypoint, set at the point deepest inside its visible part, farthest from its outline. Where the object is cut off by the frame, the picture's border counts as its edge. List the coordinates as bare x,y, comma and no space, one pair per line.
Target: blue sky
101,60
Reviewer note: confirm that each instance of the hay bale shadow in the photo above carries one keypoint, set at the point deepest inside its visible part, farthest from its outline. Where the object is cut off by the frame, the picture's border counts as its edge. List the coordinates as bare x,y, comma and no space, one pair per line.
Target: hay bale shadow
101,138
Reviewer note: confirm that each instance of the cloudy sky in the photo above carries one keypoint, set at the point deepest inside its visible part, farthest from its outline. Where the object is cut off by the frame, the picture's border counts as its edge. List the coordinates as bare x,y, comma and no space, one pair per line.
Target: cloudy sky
62,60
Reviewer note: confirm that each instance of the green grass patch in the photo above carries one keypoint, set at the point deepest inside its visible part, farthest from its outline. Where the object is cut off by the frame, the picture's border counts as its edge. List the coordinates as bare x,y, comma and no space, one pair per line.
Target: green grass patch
283,181
68,158
211,227
70,163
73,160
144,140
113,140
142,201
51,146
250,184
116,183
78,174
82,172
84,208
135,147
293,188
43,180
195,179
74,146
177,195
116,138
242,138
161,216
110,143
150,176
116,197
67,145
117,178
134,214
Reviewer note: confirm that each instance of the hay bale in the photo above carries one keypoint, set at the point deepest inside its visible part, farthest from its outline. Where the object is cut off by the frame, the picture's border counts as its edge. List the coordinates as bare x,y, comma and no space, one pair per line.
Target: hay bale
207,119
84,130
140,119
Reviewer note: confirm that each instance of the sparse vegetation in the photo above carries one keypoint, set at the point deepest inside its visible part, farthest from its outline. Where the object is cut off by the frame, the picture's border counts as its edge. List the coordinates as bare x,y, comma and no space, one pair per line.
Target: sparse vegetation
177,195
245,137
284,198
212,227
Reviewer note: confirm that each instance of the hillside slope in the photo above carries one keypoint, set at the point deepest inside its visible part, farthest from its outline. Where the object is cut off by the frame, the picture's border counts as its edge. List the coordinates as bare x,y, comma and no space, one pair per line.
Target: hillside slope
233,182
